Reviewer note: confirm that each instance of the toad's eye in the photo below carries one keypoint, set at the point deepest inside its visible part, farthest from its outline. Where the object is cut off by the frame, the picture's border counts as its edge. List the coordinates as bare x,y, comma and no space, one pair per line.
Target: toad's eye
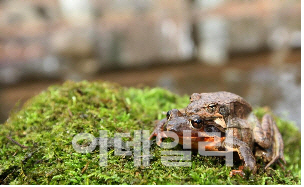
211,128
197,123
211,107
168,114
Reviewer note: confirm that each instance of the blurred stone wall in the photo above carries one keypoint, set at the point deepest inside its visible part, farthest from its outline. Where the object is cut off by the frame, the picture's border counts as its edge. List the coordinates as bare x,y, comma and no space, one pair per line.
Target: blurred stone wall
77,38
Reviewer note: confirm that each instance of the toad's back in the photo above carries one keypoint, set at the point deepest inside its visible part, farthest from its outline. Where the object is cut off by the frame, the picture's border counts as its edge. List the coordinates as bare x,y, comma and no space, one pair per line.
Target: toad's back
238,106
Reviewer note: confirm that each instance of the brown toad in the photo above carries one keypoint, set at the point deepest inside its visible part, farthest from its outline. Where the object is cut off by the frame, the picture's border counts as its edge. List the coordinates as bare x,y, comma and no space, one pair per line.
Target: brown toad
225,112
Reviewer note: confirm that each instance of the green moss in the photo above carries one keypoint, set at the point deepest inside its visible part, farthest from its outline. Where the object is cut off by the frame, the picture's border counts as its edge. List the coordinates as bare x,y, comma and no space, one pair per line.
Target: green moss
48,122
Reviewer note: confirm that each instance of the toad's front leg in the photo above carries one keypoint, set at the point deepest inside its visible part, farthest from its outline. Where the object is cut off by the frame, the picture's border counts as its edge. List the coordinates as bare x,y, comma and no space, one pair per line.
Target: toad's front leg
159,131
245,154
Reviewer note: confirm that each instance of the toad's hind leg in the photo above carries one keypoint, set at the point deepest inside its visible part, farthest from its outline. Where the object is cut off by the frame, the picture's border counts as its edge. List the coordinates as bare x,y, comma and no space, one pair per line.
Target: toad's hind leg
267,135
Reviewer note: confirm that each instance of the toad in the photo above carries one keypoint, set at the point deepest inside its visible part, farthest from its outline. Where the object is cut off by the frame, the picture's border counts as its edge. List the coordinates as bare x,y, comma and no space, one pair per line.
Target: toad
229,115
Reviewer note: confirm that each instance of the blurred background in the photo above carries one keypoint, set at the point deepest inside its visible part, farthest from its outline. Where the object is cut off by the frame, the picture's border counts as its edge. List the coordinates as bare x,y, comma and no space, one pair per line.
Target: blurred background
251,48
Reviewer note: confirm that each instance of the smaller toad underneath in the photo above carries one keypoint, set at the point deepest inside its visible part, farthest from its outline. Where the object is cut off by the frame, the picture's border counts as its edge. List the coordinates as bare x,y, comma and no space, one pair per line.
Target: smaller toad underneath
229,115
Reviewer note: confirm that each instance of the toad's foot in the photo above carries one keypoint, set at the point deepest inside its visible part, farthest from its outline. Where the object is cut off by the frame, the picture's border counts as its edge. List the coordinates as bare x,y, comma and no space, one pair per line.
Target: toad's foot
159,137
237,172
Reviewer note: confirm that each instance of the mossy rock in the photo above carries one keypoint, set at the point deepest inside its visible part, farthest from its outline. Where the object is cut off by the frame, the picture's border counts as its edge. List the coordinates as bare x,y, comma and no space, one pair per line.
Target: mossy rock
48,122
